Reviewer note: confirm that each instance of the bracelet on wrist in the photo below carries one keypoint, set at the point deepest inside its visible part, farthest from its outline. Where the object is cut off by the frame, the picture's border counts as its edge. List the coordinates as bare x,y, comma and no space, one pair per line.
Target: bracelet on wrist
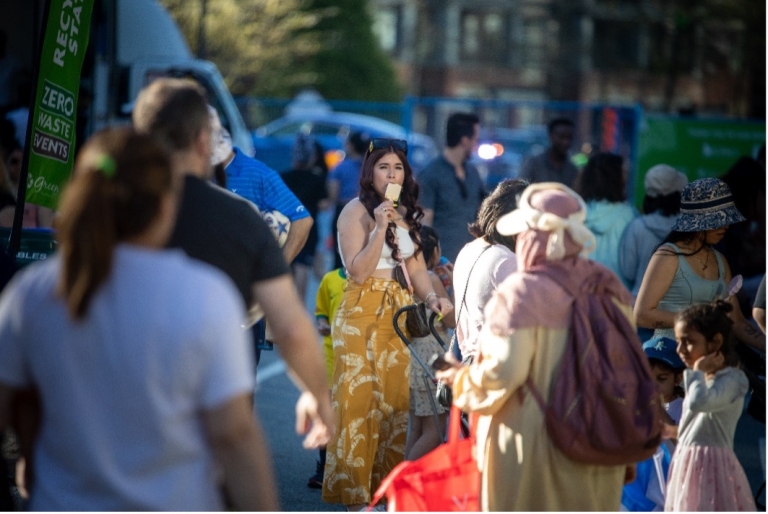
426,298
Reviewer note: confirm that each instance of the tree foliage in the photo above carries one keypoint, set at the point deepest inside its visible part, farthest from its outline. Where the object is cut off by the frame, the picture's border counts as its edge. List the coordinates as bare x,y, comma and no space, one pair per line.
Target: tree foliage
732,41
255,43
351,64
278,47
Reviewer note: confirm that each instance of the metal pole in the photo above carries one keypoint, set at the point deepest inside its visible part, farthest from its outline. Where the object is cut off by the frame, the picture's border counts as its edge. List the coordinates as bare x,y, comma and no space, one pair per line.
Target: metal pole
201,30
14,241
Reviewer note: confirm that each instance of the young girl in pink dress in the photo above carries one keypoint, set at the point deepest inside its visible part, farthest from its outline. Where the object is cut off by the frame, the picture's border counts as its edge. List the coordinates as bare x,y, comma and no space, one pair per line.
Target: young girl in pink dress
704,474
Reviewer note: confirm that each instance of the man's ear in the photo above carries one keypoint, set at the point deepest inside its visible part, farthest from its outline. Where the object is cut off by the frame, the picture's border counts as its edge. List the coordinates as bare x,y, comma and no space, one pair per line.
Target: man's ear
202,144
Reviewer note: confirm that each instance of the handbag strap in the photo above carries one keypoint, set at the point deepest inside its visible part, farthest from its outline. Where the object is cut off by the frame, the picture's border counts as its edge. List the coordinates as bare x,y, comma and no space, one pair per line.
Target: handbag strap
401,263
454,425
464,299
387,483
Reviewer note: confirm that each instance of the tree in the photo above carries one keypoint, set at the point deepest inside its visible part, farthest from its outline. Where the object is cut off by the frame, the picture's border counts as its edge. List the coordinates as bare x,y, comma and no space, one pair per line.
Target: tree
255,43
719,44
732,33
351,64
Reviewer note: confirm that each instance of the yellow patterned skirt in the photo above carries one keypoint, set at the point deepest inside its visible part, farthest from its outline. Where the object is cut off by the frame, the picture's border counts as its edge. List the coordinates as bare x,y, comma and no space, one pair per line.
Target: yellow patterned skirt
370,391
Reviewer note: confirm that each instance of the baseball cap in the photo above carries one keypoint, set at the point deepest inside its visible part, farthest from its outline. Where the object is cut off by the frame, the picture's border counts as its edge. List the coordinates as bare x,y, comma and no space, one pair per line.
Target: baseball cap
664,349
663,180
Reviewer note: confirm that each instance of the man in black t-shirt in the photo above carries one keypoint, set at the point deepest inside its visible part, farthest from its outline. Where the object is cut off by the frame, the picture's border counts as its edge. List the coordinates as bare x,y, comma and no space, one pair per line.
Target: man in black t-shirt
308,184
226,231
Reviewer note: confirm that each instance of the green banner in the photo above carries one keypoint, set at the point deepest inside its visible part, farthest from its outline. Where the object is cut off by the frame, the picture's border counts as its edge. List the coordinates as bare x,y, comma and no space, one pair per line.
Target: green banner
698,148
52,143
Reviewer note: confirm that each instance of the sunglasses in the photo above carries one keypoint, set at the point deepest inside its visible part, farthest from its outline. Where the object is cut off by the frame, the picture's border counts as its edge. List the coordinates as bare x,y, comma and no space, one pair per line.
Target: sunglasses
380,143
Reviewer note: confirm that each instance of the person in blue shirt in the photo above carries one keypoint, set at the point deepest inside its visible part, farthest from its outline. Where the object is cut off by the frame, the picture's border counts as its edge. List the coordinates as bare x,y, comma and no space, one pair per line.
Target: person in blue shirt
260,184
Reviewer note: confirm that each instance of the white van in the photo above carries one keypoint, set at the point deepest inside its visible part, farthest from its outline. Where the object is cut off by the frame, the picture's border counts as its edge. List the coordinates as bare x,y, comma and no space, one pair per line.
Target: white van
132,42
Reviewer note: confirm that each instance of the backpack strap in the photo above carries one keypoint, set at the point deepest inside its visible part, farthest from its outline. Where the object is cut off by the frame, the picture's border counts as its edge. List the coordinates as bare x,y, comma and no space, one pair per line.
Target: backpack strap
557,276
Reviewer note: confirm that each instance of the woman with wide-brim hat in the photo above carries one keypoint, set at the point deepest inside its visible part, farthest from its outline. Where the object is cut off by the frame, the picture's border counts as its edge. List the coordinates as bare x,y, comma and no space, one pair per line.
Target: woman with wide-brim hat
686,269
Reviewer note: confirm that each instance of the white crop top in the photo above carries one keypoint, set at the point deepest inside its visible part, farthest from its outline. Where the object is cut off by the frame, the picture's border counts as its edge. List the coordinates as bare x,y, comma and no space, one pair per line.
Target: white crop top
404,242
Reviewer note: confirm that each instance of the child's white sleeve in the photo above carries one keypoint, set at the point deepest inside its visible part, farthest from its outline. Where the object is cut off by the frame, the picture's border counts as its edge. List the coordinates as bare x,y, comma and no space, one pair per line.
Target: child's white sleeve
725,389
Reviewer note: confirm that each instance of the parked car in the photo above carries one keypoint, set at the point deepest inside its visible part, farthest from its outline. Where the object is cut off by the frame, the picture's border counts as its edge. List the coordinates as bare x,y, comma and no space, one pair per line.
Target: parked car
501,151
273,141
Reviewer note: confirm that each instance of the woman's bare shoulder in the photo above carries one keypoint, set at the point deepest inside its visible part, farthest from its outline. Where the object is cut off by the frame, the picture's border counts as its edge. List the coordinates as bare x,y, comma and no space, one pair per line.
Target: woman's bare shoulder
355,213
666,250
353,207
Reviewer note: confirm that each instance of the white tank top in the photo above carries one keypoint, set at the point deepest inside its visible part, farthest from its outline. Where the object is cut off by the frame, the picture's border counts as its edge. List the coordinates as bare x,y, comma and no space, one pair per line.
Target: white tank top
404,242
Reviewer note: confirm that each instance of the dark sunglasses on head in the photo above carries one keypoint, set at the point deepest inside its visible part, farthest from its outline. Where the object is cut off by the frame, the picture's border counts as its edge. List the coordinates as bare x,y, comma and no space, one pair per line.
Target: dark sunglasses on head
379,143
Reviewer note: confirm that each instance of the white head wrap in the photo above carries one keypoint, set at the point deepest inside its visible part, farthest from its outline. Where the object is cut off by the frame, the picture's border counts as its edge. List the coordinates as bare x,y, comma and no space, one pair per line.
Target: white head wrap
526,217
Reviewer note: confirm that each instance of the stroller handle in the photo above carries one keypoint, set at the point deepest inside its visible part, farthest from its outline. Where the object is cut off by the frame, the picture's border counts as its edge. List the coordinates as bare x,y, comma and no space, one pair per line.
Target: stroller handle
428,371
432,329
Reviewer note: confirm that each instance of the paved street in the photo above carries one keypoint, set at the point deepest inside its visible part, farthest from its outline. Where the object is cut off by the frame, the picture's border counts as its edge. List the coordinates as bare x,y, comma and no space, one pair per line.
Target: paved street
749,446
276,397
275,400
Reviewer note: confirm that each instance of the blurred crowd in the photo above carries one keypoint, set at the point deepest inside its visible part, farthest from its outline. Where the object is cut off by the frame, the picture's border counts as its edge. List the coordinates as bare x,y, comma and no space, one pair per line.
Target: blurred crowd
128,358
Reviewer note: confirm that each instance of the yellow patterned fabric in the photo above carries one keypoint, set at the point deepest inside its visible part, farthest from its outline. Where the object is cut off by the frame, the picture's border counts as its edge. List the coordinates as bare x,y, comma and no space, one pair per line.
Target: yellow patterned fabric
370,391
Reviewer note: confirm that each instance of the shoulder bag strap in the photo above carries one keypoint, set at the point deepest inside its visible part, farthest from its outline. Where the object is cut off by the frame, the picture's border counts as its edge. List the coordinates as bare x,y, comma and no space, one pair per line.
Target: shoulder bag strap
401,263
464,299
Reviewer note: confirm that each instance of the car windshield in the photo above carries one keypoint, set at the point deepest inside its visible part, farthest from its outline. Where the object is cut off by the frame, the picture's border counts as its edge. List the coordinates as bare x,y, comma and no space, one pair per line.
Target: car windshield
324,129
288,129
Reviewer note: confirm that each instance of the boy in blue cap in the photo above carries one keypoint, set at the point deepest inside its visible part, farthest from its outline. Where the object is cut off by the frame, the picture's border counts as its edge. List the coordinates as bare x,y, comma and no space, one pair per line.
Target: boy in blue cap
667,369
647,492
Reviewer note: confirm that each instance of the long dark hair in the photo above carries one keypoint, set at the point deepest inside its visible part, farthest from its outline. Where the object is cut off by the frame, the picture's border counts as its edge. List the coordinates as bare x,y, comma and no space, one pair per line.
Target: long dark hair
710,319
429,241
501,201
686,237
602,178
119,182
409,196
